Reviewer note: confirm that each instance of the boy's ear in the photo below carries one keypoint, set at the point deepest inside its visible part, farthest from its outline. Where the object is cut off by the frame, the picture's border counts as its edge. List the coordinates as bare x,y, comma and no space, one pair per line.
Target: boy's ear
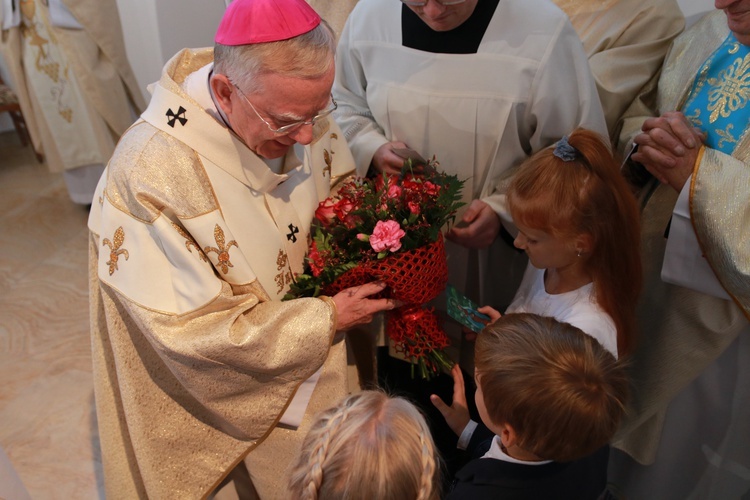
508,436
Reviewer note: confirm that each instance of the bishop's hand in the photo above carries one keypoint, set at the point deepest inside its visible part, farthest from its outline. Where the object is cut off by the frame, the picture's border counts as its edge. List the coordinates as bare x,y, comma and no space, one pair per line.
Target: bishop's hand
354,307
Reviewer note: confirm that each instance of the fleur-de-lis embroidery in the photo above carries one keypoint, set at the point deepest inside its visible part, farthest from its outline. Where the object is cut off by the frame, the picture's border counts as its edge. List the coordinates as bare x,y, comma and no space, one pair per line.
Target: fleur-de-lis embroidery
726,136
221,250
114,249
284,277
695,118
327,158
189,242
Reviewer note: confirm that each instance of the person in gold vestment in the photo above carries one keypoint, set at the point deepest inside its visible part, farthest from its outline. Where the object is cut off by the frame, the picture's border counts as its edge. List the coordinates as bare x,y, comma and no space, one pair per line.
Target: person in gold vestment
687,432
625,41
199,223
75,85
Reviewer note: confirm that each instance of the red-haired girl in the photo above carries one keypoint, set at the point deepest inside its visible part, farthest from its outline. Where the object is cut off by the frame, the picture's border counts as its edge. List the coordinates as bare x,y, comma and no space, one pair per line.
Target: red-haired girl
579,224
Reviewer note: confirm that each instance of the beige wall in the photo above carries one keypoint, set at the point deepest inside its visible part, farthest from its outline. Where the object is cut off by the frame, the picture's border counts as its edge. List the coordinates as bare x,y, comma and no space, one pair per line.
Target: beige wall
156,29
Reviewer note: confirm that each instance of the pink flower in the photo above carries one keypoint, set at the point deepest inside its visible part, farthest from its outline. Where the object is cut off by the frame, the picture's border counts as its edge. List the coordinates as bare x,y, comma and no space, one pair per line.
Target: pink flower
413,207
386,236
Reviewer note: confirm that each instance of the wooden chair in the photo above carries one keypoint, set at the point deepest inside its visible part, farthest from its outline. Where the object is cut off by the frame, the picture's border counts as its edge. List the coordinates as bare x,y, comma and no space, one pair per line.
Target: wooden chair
9,104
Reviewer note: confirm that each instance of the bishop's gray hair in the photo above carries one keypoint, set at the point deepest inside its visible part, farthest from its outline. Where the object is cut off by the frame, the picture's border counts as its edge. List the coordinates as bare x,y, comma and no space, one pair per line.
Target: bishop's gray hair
307,56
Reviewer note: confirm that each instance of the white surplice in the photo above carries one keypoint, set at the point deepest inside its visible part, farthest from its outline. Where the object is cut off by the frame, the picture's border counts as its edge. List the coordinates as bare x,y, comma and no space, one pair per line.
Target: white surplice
481,115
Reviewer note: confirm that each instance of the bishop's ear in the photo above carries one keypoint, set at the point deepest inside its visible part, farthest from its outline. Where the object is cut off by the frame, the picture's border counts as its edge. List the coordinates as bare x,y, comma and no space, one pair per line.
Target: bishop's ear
222,89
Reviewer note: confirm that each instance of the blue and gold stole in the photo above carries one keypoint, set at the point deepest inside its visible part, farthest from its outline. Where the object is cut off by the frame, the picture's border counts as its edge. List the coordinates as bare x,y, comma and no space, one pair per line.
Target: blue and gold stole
717,103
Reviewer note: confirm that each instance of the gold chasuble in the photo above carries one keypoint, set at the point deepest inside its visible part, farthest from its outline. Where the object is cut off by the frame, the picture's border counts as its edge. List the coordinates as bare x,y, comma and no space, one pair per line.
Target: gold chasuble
682,330
194,240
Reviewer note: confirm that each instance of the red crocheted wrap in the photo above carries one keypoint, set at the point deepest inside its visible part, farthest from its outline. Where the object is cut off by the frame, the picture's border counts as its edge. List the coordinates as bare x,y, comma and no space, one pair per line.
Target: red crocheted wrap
413,277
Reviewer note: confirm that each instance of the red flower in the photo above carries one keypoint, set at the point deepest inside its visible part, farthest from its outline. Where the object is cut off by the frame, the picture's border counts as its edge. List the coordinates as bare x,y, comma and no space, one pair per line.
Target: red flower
386,236
343,209
325,212
315,258
388,227
410,184
382,180
430,188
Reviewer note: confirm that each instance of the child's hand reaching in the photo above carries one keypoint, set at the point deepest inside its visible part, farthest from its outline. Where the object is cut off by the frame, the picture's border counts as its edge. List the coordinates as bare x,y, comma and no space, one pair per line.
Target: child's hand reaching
489,311
456,415
494,314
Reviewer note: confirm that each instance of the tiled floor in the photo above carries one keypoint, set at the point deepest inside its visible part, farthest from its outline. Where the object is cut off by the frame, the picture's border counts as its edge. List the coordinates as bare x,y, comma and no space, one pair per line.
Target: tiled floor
47,418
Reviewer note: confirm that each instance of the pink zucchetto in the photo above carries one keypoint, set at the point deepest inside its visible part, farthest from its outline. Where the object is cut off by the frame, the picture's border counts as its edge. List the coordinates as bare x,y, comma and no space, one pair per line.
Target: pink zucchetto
259,21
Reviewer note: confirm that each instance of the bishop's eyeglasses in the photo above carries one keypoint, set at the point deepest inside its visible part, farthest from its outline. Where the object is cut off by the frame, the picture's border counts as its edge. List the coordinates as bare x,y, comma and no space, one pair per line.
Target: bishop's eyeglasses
291,127
422,3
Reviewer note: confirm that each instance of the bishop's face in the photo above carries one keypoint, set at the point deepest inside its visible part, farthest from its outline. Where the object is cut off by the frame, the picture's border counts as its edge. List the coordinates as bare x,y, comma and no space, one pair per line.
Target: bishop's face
738,18
281,101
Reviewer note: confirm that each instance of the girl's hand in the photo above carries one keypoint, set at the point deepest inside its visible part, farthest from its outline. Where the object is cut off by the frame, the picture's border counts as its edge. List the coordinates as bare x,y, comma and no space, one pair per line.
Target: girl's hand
494,314
489,311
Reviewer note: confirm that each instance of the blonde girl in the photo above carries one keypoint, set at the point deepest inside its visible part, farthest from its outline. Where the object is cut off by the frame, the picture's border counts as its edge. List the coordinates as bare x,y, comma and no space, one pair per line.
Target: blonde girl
369,446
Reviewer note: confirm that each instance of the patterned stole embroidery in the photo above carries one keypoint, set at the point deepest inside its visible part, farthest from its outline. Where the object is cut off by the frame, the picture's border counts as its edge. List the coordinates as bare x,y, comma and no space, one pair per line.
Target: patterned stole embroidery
717,103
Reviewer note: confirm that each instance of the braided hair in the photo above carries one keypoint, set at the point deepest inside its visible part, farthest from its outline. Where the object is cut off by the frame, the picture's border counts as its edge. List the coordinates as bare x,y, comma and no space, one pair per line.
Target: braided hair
370,445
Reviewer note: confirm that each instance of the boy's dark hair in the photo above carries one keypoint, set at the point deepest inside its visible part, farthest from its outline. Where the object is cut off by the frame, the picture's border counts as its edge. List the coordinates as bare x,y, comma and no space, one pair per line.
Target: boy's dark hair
558,388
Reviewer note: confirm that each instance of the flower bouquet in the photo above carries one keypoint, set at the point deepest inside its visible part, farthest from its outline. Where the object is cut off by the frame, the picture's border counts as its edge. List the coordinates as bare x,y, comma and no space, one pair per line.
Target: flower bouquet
389,229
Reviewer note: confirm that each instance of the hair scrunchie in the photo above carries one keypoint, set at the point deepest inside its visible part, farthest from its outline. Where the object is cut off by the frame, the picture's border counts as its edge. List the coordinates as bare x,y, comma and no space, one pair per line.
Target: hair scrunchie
564,150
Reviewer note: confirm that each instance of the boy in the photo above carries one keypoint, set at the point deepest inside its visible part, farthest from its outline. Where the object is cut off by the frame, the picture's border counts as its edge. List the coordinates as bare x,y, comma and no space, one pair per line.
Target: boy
553,397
